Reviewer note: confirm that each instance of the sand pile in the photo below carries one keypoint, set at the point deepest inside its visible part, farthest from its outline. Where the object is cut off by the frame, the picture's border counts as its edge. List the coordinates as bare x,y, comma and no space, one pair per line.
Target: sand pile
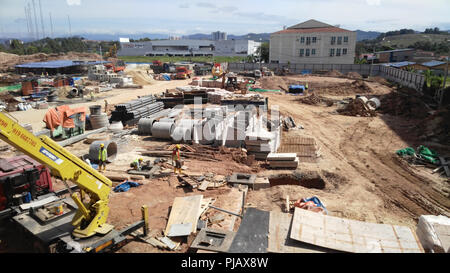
356,108
346,88
140,77
354,75
334,73
314,99
274,82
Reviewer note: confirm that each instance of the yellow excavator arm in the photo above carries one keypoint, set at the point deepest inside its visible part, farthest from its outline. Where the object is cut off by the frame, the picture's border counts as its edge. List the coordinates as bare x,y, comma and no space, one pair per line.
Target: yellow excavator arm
91,215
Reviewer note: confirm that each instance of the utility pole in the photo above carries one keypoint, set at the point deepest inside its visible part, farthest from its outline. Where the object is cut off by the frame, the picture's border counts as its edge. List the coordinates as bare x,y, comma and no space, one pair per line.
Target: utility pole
70,27
51,23
30,19
42,19
35,21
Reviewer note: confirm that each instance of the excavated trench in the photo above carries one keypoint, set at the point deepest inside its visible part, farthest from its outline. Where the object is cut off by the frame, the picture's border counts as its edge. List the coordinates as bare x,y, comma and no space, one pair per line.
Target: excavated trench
311,180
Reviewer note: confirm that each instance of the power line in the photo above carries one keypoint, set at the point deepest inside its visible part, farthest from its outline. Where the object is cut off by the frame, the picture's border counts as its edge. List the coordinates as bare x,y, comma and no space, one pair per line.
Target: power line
31,21
70,27
28,23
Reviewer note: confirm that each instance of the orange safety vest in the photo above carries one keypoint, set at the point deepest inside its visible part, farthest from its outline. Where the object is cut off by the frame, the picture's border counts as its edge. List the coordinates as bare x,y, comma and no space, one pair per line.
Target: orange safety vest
176,154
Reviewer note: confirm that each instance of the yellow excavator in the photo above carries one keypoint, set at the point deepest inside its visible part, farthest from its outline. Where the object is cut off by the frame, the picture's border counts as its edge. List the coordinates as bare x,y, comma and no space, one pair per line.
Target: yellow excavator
90,218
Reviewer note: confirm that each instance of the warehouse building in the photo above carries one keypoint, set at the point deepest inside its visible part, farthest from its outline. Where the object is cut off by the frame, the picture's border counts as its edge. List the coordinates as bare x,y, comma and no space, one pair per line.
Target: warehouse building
189,48
313,42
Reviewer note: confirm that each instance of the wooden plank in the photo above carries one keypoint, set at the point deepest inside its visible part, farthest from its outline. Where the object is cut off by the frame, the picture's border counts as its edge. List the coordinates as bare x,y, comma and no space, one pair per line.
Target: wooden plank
281,156
352,236
279,240
235,207
38,203
205,204
204,185
185,210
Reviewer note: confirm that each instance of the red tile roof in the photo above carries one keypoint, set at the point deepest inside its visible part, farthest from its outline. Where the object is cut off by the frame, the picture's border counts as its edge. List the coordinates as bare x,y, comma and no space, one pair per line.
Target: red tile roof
312,30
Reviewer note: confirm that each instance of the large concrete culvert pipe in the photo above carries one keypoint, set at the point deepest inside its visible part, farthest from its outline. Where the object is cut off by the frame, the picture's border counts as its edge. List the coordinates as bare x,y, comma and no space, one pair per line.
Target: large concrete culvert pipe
111,149
163,130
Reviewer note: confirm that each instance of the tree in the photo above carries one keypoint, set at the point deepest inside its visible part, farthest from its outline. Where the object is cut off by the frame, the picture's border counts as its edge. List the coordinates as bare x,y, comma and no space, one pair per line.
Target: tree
263,51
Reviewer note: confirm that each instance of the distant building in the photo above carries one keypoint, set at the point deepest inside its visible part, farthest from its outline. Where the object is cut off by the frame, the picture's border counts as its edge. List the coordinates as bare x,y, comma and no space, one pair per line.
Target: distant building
437,67
189,48
313,42
174,38
219,36
401,65
396,55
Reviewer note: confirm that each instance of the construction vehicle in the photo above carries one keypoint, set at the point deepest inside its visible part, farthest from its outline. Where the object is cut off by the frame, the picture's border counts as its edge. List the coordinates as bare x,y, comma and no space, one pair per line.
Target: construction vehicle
183,73
112,53
115,65
202,69
48,221
159,67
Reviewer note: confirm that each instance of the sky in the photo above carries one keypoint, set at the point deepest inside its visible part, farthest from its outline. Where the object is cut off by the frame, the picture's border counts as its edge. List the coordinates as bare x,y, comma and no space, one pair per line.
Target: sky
180,17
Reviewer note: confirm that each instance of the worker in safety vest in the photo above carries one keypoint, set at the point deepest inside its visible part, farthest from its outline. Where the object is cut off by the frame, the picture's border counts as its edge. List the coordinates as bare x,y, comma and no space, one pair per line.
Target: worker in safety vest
176,158
102,156
137,164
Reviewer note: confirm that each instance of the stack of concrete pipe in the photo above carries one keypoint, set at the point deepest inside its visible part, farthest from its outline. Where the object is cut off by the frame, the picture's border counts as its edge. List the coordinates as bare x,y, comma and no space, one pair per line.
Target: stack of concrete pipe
373,104
131,112
145,124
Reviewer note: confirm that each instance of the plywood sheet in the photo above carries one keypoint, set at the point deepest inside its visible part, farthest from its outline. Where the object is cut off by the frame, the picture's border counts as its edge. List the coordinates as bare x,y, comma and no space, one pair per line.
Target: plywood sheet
352,236
279,240
185,210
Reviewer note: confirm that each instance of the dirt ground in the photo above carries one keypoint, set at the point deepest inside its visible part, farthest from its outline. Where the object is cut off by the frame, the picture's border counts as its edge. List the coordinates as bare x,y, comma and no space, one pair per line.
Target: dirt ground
364,179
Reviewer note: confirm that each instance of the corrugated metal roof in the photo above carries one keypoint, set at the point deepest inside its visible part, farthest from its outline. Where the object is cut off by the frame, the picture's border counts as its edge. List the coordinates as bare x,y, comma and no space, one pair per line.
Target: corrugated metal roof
399,64
58,64
396,50
433,63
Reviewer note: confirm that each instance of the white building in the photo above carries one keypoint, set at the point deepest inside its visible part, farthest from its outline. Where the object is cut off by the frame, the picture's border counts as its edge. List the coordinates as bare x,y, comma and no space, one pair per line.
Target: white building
313,42
219,36
189,48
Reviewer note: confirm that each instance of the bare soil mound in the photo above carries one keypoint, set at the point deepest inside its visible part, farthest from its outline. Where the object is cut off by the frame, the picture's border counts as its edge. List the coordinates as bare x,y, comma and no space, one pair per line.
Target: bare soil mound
403,104
354,75
334,73
356,108
274,82
346,88
314,99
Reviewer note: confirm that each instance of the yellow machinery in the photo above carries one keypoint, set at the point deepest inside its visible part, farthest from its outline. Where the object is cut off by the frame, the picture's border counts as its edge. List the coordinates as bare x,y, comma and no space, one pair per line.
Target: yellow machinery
112,52
91,215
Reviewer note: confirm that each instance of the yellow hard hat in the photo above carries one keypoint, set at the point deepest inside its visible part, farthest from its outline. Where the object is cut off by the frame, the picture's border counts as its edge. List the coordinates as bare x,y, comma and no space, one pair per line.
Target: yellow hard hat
102,145
141,159
178,146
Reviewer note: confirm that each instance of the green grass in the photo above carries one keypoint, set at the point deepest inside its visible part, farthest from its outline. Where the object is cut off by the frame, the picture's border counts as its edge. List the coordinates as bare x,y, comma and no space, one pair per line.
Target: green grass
405,40
146,59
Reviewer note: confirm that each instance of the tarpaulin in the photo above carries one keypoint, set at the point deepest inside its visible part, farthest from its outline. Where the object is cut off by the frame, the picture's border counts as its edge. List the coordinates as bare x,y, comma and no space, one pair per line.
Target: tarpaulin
61,115
125,186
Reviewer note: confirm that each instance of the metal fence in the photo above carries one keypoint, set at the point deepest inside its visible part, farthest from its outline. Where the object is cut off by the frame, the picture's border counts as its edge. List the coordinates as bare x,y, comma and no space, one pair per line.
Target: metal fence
405,78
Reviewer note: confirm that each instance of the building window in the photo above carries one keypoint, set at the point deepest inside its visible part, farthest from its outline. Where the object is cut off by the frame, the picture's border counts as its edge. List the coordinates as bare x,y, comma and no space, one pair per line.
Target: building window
331,52
302,40
308,40
344,51
302,52
307,52
314,40
338,52
333,40
313,51
339,42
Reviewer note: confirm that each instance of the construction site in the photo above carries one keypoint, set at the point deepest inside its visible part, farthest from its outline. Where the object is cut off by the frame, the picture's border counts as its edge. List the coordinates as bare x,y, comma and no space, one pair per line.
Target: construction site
102,156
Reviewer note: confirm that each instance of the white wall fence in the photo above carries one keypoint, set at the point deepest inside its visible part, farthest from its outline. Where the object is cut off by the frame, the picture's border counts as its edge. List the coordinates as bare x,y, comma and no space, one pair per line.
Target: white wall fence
405,78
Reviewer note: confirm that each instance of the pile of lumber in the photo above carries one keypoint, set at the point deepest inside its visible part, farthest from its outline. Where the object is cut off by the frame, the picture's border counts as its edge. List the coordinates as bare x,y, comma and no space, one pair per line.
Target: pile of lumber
130,113
282,160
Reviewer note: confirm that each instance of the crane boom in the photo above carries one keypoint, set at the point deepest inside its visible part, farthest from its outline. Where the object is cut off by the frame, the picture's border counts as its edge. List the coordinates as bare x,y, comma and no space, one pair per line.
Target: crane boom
91,216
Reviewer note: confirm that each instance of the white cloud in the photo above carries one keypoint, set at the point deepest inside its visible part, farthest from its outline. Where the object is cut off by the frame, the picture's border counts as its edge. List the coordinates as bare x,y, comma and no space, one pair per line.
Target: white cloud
73,2
373,2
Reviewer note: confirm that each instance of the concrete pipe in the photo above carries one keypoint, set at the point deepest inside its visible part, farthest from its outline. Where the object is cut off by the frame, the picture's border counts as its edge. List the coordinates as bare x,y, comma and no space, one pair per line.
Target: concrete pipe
95,109
373,103
99,121
111,149
116,126
182,134
170,120
145,126
162,130
363,99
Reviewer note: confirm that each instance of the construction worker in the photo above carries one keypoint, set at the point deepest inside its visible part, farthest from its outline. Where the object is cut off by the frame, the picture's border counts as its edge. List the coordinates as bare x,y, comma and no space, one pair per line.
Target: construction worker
177,159
137,164
102,156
